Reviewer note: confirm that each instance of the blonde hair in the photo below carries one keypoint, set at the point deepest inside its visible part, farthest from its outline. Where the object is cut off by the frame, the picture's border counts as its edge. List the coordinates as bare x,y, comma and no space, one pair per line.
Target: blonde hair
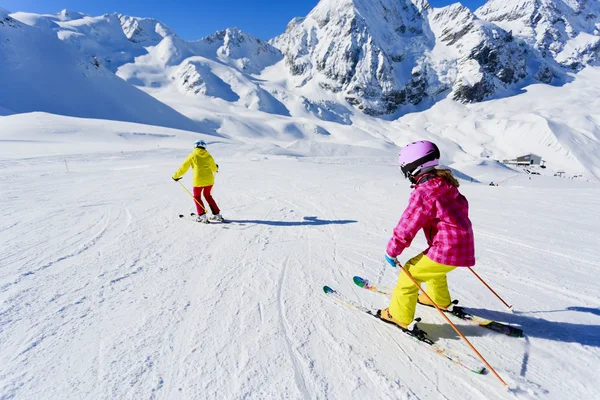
446,175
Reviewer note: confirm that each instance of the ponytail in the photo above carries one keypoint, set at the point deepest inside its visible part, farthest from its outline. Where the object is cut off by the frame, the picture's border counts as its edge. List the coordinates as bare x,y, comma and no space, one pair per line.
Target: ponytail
446,175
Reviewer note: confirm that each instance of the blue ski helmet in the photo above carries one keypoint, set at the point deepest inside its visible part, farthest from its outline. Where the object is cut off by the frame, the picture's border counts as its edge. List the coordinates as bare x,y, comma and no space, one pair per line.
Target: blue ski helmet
200,144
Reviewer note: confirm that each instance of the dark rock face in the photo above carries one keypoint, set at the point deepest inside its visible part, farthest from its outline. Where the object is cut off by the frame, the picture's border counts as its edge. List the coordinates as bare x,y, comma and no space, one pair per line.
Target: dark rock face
8,21
470,94
346,45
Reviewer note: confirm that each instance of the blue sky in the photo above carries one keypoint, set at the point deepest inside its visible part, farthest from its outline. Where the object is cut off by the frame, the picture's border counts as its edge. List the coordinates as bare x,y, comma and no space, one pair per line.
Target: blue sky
194,19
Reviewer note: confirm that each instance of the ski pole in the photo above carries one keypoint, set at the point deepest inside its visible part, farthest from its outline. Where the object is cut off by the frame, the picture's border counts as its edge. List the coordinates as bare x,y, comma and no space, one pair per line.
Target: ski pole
491,290
454,327
192,196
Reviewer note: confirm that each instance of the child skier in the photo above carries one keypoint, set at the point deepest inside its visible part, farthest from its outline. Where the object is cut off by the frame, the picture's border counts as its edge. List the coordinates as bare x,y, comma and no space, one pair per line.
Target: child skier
437,207
204,169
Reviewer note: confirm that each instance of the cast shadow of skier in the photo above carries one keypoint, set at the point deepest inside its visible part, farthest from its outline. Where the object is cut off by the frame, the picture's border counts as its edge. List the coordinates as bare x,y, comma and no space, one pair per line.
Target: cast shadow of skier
533,327
307,221
595,311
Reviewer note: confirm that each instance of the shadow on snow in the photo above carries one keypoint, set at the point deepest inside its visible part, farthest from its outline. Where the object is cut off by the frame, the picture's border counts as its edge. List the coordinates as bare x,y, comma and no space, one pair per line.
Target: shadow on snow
307,221
533,327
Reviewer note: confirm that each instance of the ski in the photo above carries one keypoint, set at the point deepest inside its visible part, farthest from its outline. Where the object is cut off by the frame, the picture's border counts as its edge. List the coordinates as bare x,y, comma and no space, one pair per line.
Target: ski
417,335
223,221
192,218
455,311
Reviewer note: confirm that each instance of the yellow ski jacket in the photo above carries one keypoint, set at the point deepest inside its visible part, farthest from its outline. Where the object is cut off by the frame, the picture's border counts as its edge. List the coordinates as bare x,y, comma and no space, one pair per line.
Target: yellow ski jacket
204,168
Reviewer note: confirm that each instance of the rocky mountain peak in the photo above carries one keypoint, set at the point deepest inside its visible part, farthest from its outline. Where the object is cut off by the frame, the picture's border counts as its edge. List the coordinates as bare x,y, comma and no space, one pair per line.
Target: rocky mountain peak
68,15
365,49
565,30
145,31
385,54
242,50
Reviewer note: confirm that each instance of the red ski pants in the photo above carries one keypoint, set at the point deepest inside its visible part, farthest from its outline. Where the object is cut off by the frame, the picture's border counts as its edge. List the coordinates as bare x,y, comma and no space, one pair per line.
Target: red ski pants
198,191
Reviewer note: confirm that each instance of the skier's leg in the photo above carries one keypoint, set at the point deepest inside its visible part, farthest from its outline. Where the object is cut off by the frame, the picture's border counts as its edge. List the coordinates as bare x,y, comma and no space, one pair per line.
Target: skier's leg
422,269
211,201
198,197
436,283
404,298
437,289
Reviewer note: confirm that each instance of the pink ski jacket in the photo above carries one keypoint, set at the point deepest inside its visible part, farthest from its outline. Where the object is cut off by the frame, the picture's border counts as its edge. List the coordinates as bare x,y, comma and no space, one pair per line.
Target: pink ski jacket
443,213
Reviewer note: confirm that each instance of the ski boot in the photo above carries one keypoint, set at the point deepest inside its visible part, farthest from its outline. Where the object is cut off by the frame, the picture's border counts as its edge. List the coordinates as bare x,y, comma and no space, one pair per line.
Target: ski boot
410,329
452,308
217,217
203,219
424,300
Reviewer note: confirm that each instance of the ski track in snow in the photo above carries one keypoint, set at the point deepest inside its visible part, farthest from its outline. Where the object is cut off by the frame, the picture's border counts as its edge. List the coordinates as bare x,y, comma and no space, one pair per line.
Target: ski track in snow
105,290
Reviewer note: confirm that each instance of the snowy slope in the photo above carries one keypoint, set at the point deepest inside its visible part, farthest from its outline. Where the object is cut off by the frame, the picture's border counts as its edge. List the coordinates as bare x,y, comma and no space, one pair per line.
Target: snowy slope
109,39
567,30
39,72
562,124
106,293
216,67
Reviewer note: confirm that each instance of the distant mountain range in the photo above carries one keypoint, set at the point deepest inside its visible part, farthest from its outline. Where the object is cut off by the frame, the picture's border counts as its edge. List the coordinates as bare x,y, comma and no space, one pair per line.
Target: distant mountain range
346,60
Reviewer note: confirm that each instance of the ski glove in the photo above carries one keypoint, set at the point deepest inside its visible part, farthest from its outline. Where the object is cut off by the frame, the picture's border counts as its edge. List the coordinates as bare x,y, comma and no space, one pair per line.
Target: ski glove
391,260
176,179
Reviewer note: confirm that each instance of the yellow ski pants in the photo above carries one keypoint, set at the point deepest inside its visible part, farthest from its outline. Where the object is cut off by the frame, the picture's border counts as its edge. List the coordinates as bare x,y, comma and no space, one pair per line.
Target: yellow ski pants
422,269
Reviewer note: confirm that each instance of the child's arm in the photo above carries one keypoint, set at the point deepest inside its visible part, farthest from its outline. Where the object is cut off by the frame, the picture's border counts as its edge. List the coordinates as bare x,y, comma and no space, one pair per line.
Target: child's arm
183,169
413,219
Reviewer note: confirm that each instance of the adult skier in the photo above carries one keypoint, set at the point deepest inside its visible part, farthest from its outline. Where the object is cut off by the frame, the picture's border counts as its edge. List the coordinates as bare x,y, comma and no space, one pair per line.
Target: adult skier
204,167
437,207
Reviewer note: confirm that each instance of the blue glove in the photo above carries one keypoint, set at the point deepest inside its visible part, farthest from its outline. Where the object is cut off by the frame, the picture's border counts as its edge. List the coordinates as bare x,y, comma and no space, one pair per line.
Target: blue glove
391,260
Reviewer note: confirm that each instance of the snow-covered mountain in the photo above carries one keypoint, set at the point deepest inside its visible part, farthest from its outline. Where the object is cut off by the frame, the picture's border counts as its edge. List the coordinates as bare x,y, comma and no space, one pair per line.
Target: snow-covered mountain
566,30
478,59
245,52
366,50
377,56
328,78
144,31
386,54
40,72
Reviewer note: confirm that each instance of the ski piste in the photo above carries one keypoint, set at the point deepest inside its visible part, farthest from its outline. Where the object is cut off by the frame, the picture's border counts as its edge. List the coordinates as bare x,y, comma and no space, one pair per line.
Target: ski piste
437,349
456,311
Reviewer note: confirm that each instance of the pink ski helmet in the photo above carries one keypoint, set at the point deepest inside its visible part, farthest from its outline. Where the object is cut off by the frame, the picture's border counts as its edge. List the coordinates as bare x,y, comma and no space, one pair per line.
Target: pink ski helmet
417,156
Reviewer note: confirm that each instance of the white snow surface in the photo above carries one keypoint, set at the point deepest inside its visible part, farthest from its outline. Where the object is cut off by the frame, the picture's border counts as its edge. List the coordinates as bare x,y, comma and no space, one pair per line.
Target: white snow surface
39,72
563,122
106,293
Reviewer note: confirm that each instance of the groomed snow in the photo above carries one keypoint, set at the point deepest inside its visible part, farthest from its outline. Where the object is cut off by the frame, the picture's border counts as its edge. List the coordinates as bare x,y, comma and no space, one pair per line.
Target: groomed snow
106,293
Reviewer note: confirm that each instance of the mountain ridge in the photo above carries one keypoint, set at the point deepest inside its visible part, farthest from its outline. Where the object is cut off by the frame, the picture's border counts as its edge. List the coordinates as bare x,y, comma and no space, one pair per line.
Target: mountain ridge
345,73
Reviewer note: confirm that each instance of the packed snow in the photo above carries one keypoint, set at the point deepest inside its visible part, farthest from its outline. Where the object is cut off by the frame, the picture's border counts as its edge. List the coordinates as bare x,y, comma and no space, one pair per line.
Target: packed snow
107,293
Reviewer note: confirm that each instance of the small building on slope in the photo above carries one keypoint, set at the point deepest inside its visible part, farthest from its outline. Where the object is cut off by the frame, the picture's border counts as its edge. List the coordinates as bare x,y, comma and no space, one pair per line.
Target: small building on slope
527,159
